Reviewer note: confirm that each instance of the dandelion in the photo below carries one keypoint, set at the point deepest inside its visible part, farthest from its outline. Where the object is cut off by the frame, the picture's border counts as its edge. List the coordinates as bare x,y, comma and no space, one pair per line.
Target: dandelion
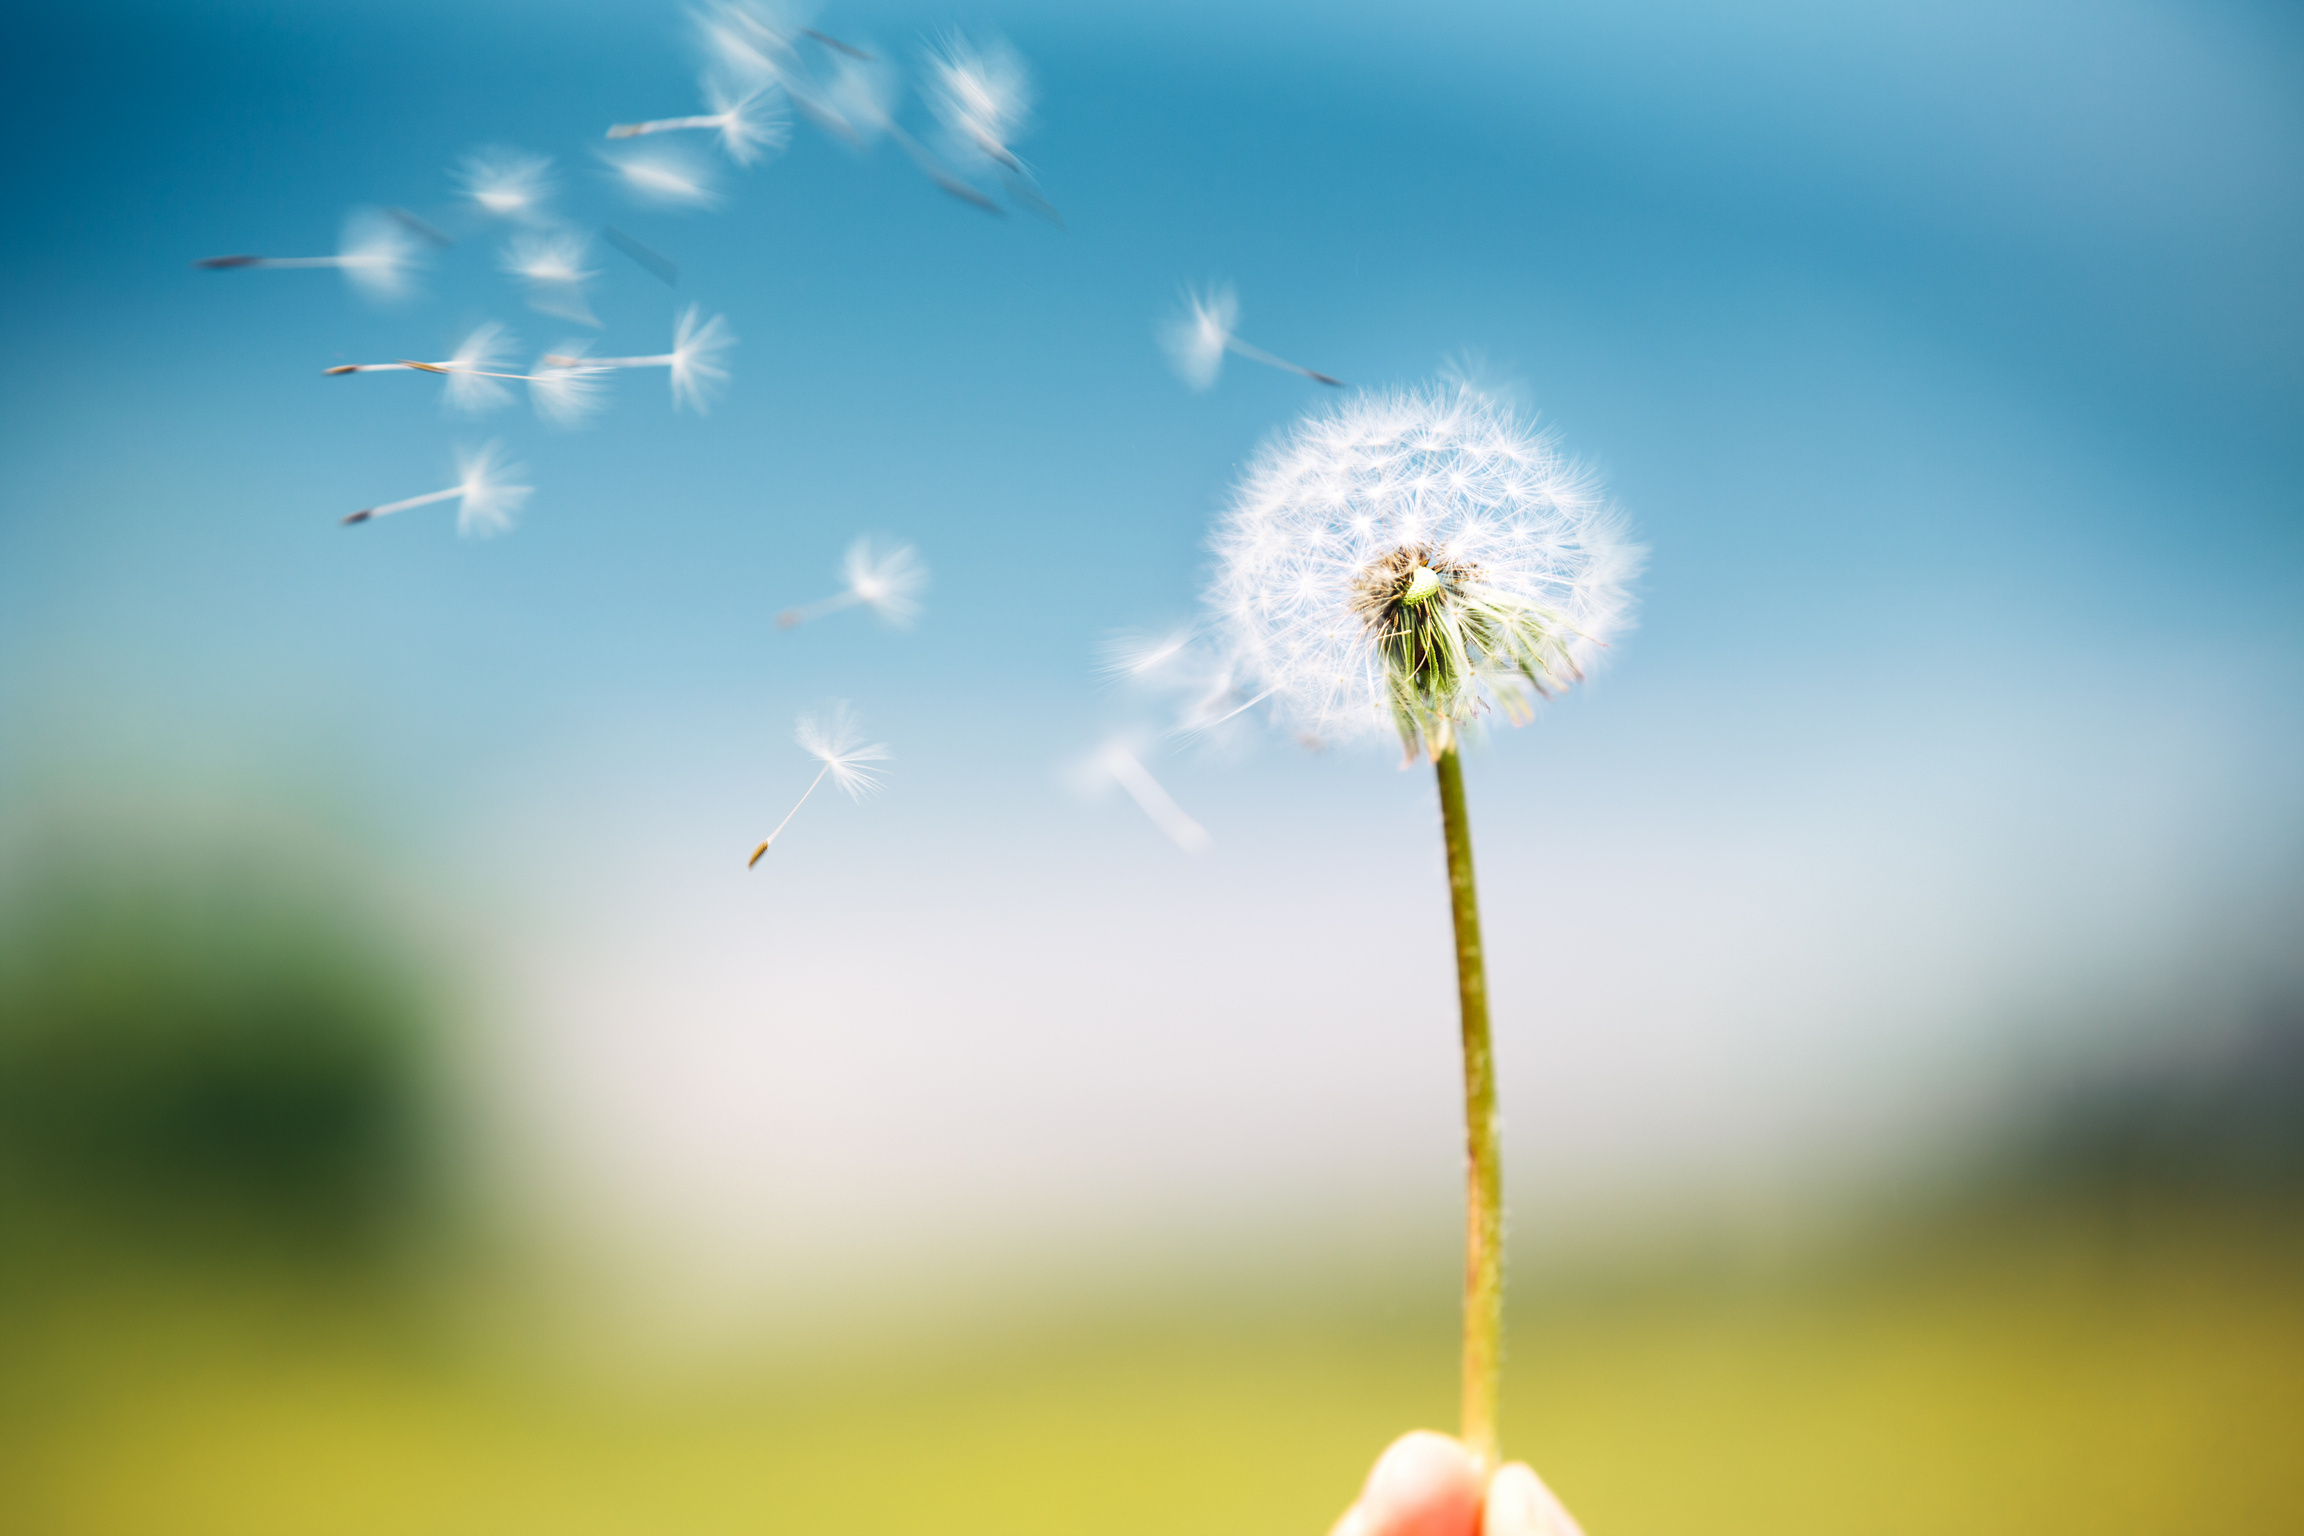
887,581
1126,770
484,491
664,177
1412,560
837,741
1197,339
566,386
694,361
376,256
475,374
747,124
553,267
507,183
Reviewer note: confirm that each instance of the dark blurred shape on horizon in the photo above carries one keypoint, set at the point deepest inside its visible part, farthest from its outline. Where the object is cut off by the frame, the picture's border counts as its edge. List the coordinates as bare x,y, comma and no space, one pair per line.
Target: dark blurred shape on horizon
2180,1112
207,1041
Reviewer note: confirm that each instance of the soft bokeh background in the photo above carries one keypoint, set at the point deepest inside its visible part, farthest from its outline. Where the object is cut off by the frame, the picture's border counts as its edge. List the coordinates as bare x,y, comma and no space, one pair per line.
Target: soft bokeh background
416,1117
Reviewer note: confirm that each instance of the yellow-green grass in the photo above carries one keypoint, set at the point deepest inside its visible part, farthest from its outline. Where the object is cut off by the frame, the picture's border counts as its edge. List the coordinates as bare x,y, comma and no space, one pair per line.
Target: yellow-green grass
2039,1371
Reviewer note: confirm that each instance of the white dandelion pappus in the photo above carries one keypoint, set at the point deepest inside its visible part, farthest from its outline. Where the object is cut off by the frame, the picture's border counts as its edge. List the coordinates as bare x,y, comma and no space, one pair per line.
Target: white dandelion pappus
693,364
858,104
1198,336
836,740
747,122
566,386
982,96
749,43
1434,501
665,177
485,491
553,266
888,581
507,183
376,255
475,374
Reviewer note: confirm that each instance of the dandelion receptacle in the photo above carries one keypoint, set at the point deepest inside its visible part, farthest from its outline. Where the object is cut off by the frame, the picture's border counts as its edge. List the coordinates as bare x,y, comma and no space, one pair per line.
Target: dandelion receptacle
1408,564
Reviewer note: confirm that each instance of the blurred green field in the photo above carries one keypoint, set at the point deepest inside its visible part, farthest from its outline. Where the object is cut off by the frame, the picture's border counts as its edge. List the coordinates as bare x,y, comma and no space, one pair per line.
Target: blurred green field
238,1296
2064,1368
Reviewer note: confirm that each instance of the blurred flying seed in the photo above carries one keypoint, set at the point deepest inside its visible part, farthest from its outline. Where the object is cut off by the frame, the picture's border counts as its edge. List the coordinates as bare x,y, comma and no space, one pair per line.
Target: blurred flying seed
418,227
660,266
886,581
835,740
1197,338
486,495
474,374
693,362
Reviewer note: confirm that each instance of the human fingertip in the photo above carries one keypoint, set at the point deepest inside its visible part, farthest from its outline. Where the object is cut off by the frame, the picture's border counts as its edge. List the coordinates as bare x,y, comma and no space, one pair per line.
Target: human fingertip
1425,1484
1518,1504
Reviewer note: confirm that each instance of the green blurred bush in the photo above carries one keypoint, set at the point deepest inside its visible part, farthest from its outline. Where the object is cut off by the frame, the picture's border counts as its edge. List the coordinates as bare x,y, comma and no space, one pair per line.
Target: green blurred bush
208,1040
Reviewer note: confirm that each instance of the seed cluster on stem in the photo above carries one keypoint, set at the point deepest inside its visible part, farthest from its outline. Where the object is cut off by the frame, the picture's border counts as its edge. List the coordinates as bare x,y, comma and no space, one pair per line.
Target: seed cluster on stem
1407,563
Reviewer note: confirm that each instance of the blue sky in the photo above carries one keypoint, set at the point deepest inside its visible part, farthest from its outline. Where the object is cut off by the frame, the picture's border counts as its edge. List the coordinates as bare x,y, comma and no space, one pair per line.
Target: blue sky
1947,357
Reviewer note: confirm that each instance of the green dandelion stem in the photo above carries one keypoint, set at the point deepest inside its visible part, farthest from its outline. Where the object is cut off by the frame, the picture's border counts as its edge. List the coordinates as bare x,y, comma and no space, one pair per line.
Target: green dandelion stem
1483,1163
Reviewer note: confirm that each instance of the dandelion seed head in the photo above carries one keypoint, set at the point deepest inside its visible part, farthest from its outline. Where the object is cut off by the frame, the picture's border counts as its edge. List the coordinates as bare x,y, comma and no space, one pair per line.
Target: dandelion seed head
1398,518
1196,336
835,738
697,347
489,498
888,581
507,183
982,94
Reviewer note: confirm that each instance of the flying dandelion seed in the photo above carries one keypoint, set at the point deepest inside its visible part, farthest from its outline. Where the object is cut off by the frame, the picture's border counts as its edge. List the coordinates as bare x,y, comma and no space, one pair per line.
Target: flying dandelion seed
566,387
693,363
836,740
1197,338
749,43
857,105
376,256
981,95
486,495
507,183
887,581
419,228
552,266
662,268
1411,560
664,177
747,124
1131,775
475,376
